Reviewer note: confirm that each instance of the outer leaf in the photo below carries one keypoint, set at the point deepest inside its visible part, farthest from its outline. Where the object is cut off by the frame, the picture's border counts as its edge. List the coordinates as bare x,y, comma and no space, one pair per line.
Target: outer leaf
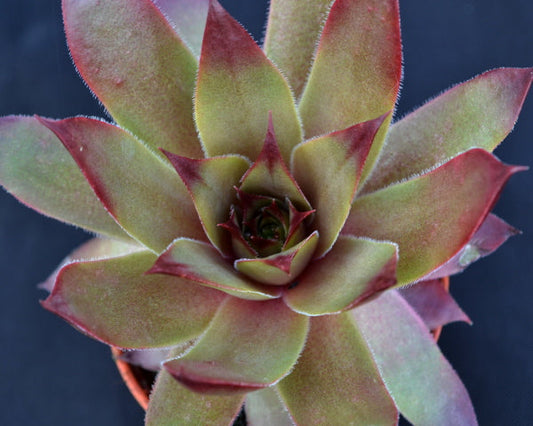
189,18
283,267
328,169
490,235
248,346
433,303
237,87
433,216
211,185
138,189
269,175
138,67
478,113
200,262
354,270
265,408
172,404
356,73
423,384
293,30
95,248
336,378
37,169
113,301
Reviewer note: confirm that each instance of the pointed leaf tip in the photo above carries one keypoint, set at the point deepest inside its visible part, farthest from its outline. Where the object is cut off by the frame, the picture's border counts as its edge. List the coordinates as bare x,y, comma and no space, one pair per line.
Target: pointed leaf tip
461,191
211,183
139,189
269,175
237,87
329,168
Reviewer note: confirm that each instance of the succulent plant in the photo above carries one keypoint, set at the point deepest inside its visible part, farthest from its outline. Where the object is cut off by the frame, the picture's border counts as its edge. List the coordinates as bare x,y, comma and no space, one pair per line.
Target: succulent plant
264,235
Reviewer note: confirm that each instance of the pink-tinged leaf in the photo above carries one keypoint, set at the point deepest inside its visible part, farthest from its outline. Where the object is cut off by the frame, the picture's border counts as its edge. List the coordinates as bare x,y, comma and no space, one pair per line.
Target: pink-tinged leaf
173,404
201,263
281,268
36,168
424,386
433,216
237,87
354,270
357,69
139,68
248,346
265,408
211,185
152,359
336,378
114,301
490,235
95,248
269,176
292,33
479,113
188,17
140,190
433,303
328,169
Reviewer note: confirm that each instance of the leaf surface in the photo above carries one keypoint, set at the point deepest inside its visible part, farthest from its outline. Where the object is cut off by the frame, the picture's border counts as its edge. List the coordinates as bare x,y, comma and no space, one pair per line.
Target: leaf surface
36,168
432,217
357,69
328,169
352,271
424,386
479,113
237,87
171,404
292,33
140,190
138,67
202,263
248,346
336,378
114,301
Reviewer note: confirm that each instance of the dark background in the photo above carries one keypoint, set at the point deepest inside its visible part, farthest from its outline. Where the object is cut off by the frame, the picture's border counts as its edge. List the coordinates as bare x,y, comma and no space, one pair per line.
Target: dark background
52,375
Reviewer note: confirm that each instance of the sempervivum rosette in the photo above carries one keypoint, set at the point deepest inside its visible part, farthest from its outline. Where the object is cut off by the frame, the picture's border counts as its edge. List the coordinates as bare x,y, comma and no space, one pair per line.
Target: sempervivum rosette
256,210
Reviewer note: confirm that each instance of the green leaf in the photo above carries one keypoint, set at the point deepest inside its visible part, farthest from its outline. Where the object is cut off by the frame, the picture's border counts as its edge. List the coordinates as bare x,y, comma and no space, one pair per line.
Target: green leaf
354,270
283,267
433,216
328,169
248,346
336,379
424,386
265,408
479,113
202,263
172,404
357,69
95,248
140,190
211,185
292,33
237,87
37,169
138,67
114,301
189,17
